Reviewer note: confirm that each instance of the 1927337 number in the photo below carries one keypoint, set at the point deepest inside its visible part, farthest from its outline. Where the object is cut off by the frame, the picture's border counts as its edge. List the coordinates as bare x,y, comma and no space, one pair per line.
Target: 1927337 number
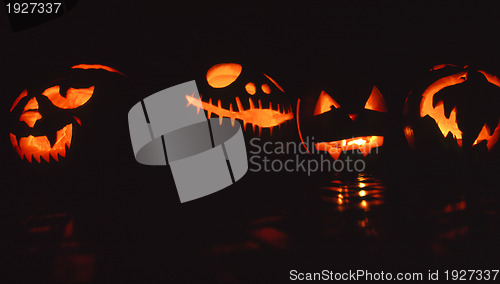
471,274
33,8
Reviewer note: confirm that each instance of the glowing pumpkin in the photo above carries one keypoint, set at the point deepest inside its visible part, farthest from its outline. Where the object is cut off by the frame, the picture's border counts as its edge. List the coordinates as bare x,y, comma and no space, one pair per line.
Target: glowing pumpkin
44,119
253,98
329,127
456,109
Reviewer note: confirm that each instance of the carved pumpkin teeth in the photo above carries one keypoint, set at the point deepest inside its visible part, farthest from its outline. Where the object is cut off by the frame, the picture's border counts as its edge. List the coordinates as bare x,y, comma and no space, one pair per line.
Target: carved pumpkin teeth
448,108
486,135
364,144
220,117
15,143
17,139
39,146
252,106
57,144
52,137
45,156
232,118
54,155
62,153
238,104
36,156
68,142
445,115
264,118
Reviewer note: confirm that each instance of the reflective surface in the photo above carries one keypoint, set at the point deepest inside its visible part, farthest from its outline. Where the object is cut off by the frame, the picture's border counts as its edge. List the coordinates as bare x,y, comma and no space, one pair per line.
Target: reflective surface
364,222
256,231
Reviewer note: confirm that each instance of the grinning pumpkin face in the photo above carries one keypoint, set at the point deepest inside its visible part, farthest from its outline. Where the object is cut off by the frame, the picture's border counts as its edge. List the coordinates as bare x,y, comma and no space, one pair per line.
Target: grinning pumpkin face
336,129
45,118
456,108
255,99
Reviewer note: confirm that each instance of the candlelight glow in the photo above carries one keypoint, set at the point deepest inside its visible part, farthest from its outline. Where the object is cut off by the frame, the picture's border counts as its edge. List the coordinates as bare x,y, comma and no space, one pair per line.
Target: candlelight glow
364,144
260,116
222,75
39,146
74,97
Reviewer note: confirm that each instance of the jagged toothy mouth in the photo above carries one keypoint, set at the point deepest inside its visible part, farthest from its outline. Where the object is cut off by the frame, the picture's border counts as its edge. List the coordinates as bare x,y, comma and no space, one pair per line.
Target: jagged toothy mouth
364,144
40,146
448,123
256,116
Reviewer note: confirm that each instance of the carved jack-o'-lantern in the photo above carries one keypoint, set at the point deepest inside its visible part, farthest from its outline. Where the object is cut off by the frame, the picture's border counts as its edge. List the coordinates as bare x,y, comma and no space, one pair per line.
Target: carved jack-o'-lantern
456,109
255,99
332,128
44,119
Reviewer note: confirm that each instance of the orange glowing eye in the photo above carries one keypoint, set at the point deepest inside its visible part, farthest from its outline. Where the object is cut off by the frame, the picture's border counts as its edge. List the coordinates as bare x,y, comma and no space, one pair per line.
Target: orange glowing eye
376,102
43,140
266,89
251,89
325,103
74,97
222,75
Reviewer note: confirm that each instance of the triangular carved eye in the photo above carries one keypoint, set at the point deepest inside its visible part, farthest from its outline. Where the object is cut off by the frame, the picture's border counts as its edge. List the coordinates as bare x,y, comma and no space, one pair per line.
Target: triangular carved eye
74,97
325,103
222,75
376,102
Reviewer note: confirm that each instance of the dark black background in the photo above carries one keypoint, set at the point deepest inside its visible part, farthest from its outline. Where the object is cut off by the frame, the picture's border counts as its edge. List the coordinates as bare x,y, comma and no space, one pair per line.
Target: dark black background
128,215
